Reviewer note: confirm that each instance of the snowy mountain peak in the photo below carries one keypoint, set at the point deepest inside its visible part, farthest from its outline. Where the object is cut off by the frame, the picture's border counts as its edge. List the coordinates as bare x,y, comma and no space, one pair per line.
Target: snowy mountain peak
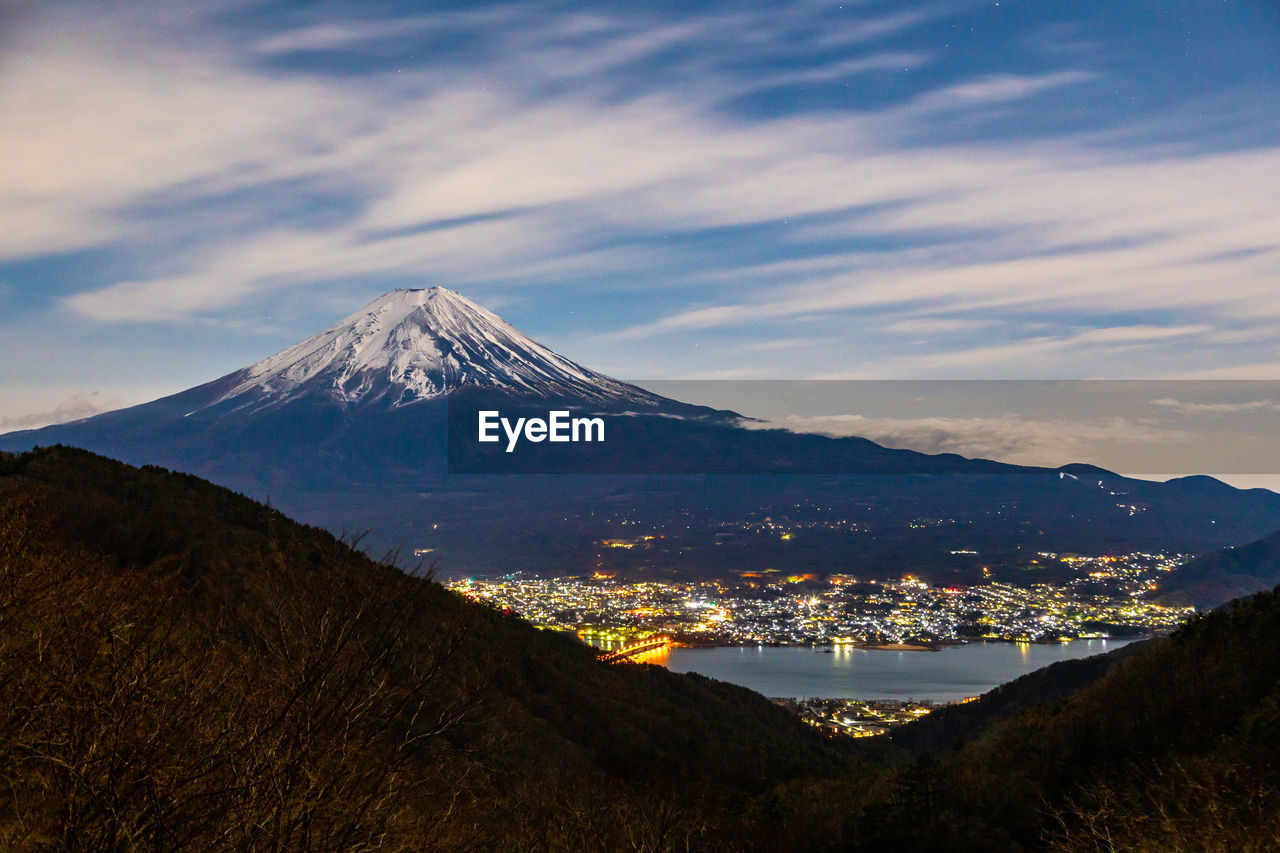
409,345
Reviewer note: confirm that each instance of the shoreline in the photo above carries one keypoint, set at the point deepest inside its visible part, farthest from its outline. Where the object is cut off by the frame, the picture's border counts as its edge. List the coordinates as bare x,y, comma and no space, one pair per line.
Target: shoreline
929,646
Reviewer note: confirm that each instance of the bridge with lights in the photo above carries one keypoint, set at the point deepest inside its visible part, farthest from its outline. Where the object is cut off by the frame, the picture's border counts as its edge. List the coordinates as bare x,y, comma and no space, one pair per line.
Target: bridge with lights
640,647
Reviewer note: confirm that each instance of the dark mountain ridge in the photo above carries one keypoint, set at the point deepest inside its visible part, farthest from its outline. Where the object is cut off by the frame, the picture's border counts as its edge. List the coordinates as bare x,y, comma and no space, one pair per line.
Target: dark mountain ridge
1218,577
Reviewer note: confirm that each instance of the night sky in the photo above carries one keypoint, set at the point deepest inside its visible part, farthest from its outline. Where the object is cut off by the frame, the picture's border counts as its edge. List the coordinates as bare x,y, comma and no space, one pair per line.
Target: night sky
662,190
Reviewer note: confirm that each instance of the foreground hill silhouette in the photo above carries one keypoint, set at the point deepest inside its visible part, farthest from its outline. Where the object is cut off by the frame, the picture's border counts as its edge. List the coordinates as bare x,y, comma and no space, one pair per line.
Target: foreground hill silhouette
182,668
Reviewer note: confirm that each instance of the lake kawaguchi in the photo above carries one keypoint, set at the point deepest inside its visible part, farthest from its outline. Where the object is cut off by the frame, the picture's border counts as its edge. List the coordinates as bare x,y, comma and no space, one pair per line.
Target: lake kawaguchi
954,672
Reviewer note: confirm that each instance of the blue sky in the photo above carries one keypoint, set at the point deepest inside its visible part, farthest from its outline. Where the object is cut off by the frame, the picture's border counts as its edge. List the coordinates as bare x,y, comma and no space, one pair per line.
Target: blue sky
780,190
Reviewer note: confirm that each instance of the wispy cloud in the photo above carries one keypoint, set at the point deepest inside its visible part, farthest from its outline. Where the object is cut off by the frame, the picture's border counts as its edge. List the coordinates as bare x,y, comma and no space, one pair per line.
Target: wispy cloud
997,88
846,69
1005,437
590,146
858,29
80,404
349,35
781,344
1037,354
930,326
1232,408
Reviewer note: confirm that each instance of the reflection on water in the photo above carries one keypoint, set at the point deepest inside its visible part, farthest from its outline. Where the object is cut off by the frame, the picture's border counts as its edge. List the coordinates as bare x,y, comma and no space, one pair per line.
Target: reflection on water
659,656
955,672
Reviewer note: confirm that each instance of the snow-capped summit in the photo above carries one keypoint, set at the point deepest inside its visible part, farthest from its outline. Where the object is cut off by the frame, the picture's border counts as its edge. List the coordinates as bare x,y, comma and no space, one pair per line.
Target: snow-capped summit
408,345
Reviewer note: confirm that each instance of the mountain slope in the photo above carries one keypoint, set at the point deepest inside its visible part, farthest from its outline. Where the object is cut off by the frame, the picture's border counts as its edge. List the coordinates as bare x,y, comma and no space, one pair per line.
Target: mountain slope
940,730
1213,579
183,668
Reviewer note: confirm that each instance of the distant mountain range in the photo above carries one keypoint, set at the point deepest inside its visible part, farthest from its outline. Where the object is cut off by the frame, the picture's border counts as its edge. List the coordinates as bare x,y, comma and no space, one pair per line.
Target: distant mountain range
370,424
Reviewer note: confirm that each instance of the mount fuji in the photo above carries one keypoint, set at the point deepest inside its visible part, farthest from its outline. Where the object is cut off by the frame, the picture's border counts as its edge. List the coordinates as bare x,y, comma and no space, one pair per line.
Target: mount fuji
374,399
357,428
411,345
364,402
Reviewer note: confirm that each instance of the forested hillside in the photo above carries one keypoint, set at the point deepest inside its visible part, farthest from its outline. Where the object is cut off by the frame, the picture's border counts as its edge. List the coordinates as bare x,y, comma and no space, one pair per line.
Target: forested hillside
1176,748
182,668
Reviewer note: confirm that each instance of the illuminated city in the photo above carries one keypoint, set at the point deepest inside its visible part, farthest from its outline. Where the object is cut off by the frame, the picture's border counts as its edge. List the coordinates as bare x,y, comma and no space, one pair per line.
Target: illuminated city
1109,596
859,717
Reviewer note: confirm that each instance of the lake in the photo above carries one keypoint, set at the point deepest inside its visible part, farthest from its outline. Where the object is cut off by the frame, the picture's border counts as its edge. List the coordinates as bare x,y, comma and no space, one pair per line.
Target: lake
955,672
